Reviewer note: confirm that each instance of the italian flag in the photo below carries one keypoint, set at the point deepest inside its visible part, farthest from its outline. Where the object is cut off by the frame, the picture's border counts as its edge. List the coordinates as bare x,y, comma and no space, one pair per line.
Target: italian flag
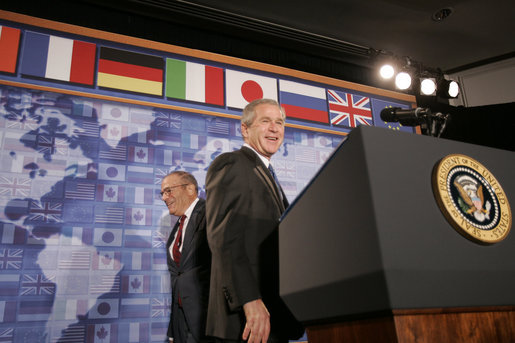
194,82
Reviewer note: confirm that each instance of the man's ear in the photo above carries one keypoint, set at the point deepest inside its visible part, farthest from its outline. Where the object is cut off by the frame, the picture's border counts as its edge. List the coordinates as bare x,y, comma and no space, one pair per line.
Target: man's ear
191,189
244,130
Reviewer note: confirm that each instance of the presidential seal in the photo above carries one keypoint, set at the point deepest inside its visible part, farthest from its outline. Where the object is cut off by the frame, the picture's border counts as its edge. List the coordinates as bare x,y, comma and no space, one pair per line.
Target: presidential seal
471,199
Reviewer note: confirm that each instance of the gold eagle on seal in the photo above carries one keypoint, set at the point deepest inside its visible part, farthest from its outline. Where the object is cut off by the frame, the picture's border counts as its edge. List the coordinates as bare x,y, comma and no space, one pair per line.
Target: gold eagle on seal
472,198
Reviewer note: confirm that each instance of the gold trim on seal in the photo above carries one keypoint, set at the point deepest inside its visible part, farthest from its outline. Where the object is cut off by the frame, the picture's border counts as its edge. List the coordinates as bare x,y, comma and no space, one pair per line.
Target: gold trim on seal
480,220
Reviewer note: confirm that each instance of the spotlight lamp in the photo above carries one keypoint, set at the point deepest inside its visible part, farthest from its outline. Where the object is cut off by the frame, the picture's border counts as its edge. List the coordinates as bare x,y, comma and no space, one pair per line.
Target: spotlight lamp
448,89
386,71
428,86
454,89
403,80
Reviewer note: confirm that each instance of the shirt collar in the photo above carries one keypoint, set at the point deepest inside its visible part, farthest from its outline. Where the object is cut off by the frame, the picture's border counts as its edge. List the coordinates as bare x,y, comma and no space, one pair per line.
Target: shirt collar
265,160
190,209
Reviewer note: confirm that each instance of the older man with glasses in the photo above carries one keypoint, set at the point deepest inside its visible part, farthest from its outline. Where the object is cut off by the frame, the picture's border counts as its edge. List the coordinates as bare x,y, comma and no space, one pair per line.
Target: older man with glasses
188,257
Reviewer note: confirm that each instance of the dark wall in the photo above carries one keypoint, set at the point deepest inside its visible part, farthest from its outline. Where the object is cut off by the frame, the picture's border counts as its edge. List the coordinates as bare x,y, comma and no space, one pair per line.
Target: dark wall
184,27
492,125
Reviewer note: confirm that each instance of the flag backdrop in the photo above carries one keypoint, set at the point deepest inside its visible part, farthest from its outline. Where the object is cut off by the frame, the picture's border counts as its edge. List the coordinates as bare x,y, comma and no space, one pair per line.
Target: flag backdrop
82,226
130,71
194,82
9,42
58,58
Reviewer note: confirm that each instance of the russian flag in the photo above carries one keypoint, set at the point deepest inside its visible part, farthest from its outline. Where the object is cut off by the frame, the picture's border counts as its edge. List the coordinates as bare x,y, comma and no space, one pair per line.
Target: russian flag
305,102
58,58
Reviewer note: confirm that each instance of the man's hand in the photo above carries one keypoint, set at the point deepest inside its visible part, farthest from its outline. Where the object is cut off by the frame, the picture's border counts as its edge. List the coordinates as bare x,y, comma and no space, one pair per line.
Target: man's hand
257,327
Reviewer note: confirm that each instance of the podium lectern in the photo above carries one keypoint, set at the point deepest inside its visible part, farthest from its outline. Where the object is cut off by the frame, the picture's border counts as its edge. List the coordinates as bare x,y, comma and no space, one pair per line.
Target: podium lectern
366,254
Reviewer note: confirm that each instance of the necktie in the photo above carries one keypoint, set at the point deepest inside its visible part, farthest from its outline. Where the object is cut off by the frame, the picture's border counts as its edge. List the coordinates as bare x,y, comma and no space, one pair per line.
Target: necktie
271,169
176,252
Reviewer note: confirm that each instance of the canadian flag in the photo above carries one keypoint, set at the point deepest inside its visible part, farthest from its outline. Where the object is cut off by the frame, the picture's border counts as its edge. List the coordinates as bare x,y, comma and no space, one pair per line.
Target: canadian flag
242,88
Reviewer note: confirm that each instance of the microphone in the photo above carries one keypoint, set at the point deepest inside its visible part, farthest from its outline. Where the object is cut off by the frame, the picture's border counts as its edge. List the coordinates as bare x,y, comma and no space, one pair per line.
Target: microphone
407,117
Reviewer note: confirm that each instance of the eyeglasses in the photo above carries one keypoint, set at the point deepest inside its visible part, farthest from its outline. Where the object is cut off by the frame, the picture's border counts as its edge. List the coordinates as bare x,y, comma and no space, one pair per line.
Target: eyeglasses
169,190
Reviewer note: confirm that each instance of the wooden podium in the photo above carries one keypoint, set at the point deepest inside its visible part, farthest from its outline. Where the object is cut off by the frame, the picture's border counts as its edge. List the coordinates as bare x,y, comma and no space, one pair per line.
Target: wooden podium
367,255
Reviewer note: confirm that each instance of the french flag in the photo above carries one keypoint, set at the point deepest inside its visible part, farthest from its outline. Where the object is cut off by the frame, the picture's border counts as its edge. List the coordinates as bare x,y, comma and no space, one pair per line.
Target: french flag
305,102
58,58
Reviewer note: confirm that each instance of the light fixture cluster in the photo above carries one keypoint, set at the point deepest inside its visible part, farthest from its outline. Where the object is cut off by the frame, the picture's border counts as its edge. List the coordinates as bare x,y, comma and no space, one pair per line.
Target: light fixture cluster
411,76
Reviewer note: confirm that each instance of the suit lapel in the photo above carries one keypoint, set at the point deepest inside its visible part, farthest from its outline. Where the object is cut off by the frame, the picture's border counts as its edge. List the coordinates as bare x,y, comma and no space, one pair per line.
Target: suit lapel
265,176
191,230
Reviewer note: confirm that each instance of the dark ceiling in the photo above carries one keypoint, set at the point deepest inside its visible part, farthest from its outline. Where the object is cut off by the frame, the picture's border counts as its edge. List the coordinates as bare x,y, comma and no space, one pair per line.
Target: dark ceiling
475,30
350,31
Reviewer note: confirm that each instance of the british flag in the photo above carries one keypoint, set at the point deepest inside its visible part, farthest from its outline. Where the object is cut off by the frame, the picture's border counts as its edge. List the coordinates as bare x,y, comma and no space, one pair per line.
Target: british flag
37,284
348,109
171,120
48,212
15,186
24,122
161,307
6,334
158,239
11,258
49,145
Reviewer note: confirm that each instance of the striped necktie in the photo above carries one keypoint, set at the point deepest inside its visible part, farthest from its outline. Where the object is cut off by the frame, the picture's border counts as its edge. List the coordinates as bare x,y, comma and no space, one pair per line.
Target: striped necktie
176,252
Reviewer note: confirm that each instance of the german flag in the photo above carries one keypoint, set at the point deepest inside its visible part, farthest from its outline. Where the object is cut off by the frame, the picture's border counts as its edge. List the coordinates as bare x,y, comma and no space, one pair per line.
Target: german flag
130,71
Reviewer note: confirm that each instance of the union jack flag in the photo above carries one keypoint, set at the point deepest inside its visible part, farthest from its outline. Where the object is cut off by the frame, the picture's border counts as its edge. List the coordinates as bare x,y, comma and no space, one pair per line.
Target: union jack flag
37,284
49,145
161,307
285,169
15,186
348,109
158,239
171,120
160,173
24,122
11,258
6,335
46,212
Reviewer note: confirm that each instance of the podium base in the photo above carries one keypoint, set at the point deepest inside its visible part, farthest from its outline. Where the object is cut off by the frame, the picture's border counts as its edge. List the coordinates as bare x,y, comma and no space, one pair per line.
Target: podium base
458,325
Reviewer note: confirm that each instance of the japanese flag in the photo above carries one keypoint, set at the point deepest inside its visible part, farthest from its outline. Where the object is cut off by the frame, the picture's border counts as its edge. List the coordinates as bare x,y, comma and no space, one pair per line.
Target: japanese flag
243,88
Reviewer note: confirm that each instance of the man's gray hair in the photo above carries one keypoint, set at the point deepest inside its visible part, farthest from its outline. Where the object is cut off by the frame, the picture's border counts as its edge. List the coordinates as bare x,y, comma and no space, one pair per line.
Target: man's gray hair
185,177
249,112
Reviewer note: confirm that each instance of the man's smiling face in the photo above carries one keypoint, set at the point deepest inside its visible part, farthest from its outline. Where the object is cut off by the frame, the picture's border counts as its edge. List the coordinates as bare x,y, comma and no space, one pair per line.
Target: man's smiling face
266,133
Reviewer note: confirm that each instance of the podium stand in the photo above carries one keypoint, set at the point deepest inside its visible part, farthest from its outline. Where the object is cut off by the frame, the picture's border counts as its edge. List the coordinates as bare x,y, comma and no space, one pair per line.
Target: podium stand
366,254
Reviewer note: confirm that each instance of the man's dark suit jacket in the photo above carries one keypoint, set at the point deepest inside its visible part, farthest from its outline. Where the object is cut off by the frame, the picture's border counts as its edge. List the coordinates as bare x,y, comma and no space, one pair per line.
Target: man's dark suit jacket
190,280
243,208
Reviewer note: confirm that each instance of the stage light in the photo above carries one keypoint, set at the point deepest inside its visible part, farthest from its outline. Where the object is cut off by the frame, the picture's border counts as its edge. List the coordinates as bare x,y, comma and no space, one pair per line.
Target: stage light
386,71
454,89
448,89
403,80
428,86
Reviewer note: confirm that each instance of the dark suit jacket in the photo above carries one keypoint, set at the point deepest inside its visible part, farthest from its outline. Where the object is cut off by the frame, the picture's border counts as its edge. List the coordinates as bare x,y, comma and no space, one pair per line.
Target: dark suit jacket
243,208
190,280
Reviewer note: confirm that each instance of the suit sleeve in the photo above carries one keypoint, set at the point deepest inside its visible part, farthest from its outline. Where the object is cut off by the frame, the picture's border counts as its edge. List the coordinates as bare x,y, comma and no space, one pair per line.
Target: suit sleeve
228,202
